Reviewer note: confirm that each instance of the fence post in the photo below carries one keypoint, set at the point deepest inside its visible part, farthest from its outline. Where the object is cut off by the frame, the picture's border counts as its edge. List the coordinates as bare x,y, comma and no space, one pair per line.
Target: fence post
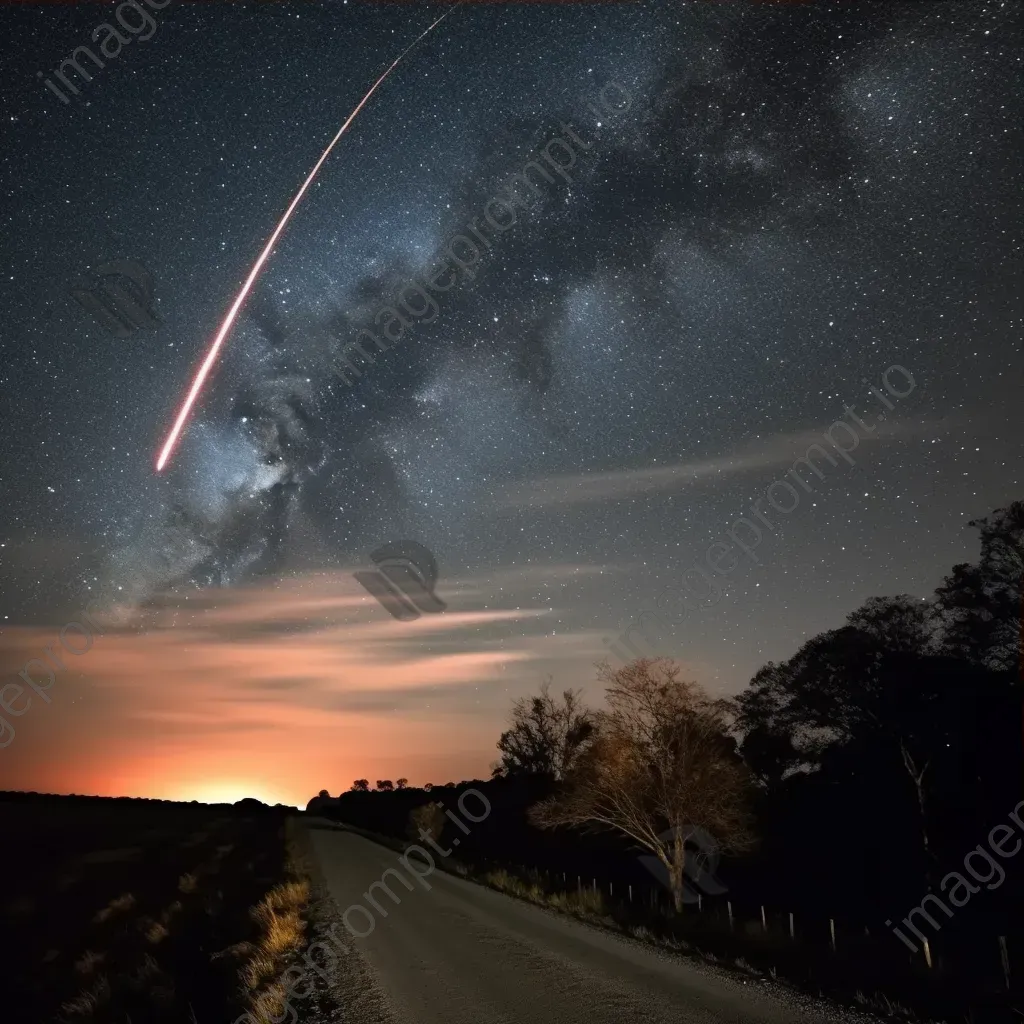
729,905
700,902
791,933
579,884
927,954
832,932
594,880
611,889
631,894
764,922
1004,955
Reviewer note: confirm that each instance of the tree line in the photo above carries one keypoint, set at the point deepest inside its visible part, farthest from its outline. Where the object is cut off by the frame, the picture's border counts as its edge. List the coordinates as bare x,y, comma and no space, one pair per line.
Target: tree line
852,775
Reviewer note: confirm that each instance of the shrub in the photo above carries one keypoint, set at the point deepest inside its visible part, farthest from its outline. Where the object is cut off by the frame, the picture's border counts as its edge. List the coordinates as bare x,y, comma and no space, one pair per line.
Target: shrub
428,817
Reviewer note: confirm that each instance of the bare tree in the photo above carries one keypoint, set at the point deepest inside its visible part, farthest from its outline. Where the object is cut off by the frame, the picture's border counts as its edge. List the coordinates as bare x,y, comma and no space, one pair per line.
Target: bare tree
660,763
547,734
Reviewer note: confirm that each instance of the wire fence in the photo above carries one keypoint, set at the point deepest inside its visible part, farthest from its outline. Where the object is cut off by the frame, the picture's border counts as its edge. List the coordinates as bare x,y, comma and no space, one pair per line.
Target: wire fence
857,957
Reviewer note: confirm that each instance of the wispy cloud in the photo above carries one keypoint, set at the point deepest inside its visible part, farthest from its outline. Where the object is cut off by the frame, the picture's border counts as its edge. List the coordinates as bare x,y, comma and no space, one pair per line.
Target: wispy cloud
279,681
626,484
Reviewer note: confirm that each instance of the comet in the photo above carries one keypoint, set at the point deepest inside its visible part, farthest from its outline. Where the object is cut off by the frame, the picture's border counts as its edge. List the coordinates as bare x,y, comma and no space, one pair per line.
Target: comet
232,315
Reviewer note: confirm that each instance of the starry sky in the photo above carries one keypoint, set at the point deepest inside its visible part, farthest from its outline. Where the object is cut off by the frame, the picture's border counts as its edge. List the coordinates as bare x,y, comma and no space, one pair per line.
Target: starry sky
768,206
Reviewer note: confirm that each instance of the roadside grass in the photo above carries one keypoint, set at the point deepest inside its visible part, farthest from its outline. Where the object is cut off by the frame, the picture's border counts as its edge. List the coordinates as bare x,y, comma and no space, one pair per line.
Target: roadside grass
584,903
131,937
280,917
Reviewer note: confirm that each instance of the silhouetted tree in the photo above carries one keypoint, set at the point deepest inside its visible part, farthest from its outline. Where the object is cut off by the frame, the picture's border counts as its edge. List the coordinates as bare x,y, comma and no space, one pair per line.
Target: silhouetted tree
660,762
872,698
361,786
980,604
324,795
769,754
402,784
547,734
385,785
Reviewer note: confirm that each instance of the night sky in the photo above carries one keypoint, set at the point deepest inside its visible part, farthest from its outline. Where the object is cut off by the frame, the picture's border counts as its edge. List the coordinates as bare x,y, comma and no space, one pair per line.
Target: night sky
769,207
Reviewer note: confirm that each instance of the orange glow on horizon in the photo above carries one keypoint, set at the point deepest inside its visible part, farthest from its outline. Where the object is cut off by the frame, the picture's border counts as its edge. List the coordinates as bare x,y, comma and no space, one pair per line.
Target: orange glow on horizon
229,791
275,691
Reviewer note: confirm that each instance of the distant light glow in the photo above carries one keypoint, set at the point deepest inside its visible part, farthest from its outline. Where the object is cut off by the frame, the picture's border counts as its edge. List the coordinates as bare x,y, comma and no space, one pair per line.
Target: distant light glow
228,791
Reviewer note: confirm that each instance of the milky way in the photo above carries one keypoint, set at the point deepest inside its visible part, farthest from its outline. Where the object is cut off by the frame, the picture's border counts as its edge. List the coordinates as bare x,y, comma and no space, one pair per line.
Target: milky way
793,202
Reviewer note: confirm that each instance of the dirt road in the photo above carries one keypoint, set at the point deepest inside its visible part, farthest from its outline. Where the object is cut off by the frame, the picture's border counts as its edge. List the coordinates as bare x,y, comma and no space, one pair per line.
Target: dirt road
463,954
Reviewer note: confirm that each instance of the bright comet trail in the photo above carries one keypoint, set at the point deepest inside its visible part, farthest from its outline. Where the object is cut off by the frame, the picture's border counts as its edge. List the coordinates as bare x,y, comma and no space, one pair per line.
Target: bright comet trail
229,320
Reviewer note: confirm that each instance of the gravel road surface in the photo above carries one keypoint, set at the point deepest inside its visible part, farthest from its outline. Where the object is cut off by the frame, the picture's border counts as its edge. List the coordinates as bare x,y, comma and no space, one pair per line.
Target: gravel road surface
463,954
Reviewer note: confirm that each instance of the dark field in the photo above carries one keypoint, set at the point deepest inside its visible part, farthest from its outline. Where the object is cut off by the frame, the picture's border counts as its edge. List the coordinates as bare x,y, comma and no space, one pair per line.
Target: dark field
135,909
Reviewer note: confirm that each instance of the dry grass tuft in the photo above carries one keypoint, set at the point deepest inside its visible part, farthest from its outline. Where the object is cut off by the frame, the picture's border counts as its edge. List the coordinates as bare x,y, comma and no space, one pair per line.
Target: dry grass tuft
259,969
188,883
283,933
123,903
282,928
585,902
280,919
270,1005
289,895
156,932
85,1004
581,901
